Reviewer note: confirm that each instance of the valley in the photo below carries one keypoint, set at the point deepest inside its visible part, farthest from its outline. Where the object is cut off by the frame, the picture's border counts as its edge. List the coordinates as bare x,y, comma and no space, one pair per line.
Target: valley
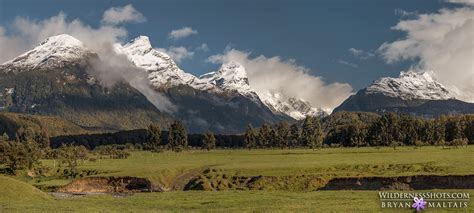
236,106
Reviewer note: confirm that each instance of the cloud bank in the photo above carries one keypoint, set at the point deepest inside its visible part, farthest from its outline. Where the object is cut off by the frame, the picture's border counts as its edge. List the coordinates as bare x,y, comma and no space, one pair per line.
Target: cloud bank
286,77
442,42
182,33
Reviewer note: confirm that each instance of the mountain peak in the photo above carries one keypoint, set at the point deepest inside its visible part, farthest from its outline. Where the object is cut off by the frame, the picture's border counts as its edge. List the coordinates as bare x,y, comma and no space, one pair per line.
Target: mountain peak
410,85
55,51
163,72
234,70
63,40
140,43
231,76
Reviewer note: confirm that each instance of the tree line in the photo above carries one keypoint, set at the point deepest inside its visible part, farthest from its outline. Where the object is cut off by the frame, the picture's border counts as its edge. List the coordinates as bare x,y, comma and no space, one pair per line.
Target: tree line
350,129
177,138
309,134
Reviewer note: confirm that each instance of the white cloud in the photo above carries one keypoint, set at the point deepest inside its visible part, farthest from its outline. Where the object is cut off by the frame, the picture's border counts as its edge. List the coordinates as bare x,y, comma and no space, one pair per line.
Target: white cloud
355,51
442,42
182,33
285,76
177,53
465,2
10,47
203,48
361,53
32,32
119,15
353,65
405,13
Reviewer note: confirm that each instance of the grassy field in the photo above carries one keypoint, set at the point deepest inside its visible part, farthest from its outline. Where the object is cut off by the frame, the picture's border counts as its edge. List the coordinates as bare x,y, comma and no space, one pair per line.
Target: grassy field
17,196
164,167
333,162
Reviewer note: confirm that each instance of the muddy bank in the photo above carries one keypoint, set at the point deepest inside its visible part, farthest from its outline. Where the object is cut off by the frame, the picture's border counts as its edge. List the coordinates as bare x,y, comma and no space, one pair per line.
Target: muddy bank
109,185
421,182
217,180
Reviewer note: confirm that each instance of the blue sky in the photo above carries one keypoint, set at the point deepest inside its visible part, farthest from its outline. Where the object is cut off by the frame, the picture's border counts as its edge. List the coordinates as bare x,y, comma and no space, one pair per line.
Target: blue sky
316,34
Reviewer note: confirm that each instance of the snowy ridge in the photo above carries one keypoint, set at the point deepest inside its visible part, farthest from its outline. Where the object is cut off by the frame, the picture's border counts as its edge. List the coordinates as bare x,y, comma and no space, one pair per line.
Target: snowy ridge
296,108
232,77
55,51
162,70
410,85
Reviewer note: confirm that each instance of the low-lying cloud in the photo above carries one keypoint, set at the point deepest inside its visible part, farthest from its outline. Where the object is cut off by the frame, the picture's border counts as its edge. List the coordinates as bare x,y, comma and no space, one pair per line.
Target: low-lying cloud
442,42
111,68
286,77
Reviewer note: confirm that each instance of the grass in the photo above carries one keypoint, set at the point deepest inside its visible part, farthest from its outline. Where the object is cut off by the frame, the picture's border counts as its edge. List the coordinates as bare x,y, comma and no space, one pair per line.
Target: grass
18,196
228,201
334,162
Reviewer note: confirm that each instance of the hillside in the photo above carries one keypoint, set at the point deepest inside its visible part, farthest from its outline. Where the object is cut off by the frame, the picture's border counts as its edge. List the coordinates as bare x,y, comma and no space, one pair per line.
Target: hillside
54,126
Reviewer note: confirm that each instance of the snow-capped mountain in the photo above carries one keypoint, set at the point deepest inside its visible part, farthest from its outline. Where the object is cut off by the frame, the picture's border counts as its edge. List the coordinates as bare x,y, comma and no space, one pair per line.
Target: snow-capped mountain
232,76
296,108
409,86
54,79
162,70
412,93
54,52
221,101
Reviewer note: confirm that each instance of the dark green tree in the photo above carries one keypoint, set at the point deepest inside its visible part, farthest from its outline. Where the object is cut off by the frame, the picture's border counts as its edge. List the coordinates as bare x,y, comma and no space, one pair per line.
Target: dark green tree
153,141
294,136
469,131
42,138
439,131
19,155
72,155
357,134
209,141
312,133
264,135
282,134
250,137
177,136
409,128
454,129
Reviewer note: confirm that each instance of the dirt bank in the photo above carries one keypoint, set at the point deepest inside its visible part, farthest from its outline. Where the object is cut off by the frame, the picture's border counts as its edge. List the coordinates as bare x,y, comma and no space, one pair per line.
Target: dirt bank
422,182
217,180
109,185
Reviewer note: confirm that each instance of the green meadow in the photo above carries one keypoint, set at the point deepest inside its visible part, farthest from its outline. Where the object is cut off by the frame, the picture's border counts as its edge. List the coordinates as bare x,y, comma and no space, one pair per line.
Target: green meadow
331,162
18,193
